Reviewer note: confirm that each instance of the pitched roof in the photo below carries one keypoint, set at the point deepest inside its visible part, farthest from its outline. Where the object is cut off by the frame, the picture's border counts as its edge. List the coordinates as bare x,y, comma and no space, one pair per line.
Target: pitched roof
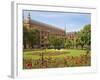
43,24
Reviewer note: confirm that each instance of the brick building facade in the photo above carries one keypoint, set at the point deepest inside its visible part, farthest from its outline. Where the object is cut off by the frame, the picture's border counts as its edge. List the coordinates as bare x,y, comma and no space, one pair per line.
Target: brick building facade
44,29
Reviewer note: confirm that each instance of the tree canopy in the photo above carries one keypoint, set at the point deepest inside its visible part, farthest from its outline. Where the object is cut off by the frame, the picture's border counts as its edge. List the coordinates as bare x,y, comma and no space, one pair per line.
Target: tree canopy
30,37
56,42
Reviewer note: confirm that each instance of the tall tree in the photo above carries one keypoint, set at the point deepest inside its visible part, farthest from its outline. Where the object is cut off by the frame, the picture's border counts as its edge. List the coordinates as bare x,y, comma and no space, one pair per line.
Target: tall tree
31,37
84,36
25,37
34,37
68,43
56,42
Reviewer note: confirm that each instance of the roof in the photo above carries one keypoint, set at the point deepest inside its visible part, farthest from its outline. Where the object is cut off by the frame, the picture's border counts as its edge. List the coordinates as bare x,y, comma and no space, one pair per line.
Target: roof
43,24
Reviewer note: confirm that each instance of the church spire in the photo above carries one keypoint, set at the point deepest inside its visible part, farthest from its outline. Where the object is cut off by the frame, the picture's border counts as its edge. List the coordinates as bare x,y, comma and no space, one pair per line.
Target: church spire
29,20
29,17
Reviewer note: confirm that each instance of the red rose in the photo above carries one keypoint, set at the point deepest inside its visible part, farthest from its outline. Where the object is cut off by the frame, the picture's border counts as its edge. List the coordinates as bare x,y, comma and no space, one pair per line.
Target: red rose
29,65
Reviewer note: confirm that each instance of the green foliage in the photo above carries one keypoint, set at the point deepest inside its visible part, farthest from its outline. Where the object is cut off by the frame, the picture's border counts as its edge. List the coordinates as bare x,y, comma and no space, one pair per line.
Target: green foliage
56,42
82,39
84,36
25,36
68,43
34,37
30,37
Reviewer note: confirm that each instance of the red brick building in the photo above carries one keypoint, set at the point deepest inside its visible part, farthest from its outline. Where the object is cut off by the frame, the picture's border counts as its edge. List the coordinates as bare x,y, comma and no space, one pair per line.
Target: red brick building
45,30
71,35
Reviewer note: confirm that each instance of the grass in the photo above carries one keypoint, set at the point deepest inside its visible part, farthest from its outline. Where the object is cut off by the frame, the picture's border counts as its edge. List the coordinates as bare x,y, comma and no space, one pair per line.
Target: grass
55,58
35,54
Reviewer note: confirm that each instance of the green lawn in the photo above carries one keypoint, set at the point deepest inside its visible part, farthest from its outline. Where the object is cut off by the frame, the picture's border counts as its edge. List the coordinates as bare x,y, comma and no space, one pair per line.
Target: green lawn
35,54
55,58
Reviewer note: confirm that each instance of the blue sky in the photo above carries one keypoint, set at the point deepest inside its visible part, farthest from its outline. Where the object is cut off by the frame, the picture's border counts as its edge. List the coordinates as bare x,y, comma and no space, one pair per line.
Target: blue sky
72,21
